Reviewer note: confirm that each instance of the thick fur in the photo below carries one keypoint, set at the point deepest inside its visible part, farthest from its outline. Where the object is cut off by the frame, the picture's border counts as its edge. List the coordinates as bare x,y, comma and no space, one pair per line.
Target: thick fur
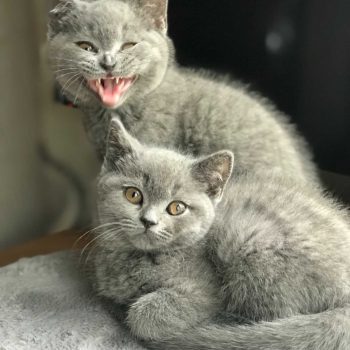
167,105
282,254
259,262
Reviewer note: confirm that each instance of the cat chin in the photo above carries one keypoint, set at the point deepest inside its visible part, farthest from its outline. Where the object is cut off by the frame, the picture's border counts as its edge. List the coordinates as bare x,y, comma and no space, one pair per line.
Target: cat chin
145,246
146,242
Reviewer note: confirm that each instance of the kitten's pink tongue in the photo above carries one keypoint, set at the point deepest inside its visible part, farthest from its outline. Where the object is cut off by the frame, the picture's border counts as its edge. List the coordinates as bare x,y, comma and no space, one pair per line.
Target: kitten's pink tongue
110,90
110,93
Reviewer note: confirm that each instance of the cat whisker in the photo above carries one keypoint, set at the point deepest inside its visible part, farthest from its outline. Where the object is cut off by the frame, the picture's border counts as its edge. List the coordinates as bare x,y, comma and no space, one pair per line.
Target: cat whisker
65,65
91,230
63,75
132,226
127,220
69,82
125,224
85,247
64,70
160,236
91,251
92,241
164,236
166,233
108,234
77,94
105,236
65,59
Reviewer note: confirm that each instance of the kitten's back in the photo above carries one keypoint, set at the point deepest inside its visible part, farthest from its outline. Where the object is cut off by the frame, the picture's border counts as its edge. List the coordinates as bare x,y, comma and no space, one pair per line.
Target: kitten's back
283,247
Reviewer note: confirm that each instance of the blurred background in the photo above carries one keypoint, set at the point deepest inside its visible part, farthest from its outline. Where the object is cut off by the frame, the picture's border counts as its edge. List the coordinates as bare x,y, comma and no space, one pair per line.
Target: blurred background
296,52
47,166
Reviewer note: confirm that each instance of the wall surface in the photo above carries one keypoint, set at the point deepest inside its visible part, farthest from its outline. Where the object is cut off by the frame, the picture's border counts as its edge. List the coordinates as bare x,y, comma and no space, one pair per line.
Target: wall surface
23,182
46,164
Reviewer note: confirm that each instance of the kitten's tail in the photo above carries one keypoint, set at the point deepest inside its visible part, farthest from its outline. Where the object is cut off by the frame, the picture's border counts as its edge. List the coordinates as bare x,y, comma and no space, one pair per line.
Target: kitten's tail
328,330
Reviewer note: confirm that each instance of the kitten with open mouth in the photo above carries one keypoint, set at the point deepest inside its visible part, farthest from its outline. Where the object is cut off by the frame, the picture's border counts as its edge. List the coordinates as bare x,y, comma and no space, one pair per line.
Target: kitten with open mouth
114,58
111,90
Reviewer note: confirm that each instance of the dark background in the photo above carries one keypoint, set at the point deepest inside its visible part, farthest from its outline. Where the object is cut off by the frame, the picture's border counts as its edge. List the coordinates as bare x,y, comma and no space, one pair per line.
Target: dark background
296,52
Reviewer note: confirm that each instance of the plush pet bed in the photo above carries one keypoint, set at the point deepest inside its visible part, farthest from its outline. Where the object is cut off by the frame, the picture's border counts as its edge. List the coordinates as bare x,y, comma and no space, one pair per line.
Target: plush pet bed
46,304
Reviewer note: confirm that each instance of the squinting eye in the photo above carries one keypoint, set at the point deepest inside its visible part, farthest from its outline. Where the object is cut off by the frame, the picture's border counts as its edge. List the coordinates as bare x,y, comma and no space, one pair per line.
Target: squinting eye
128,45
176,208
133,195
86,46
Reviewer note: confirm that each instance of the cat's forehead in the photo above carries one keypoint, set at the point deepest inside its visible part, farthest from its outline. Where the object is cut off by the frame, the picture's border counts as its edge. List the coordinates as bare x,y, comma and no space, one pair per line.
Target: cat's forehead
164,175
107,21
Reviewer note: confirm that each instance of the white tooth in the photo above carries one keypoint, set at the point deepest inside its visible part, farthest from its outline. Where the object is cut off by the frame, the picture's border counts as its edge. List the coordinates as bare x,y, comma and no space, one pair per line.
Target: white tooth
99,81
117,80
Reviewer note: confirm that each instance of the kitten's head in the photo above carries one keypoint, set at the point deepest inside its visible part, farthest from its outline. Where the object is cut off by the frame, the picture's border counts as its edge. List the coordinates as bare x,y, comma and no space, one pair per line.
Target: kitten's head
108,51
157,199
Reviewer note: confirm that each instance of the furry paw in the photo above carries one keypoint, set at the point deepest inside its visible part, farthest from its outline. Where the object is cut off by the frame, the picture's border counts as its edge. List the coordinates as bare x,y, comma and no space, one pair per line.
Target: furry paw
157,315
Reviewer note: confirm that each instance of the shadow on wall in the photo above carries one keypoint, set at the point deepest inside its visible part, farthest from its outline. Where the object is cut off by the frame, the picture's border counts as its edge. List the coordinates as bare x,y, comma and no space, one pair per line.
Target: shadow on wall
46,162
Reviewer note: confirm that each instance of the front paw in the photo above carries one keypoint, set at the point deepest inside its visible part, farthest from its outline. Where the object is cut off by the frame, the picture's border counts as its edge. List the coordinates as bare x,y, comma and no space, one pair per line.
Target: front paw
157,315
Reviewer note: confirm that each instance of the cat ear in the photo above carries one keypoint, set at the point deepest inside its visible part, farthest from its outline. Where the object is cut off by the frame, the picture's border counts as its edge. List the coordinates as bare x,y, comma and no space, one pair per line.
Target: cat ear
214,171
58,15
157,10
122,148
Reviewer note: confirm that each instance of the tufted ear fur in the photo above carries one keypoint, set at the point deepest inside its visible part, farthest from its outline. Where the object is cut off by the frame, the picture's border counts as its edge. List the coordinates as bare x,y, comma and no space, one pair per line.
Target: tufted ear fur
157,10
121,149
58,15
214,171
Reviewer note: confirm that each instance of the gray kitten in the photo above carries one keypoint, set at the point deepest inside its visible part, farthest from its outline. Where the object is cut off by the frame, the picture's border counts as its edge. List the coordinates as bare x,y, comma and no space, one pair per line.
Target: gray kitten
189,253
113,58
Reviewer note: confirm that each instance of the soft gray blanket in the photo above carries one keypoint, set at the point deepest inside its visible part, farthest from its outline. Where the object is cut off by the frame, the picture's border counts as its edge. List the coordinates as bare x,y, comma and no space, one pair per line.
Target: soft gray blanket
46,304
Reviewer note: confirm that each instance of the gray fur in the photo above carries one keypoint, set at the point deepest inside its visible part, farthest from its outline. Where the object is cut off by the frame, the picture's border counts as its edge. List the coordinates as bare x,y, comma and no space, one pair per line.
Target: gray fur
269,253
167,105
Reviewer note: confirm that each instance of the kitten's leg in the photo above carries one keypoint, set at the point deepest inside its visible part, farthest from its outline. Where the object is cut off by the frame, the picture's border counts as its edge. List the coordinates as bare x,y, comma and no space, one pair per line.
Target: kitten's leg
169,311
122,276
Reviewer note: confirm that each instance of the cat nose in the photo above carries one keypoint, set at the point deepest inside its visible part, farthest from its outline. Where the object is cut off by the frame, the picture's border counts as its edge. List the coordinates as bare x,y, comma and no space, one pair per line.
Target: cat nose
149,219
148,222
108,63
108,67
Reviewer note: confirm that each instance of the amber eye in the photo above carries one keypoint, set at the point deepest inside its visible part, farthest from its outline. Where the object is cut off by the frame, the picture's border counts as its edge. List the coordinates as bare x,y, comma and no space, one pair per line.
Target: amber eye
86,46
128,45
176,208
133,195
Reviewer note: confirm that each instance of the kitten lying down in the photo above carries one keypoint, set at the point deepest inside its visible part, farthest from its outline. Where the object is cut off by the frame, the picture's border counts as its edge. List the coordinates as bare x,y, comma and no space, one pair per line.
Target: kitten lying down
181,247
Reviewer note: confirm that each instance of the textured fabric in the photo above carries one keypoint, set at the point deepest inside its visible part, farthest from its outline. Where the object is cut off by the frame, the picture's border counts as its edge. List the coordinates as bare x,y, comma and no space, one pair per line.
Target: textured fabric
46,304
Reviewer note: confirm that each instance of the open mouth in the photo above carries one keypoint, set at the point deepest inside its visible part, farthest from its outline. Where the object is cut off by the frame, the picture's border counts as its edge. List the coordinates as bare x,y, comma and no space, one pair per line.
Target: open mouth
111,89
